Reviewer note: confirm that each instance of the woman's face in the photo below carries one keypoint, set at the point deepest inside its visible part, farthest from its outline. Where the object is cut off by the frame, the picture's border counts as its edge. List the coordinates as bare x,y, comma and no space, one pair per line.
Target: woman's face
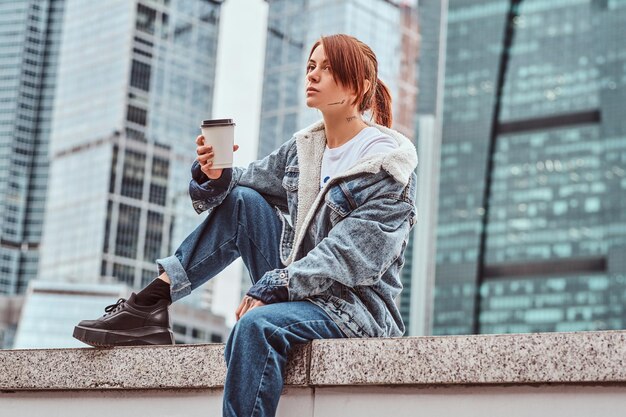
319,76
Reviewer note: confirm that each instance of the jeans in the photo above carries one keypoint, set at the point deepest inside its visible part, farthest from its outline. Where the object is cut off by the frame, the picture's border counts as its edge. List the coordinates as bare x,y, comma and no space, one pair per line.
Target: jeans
245,225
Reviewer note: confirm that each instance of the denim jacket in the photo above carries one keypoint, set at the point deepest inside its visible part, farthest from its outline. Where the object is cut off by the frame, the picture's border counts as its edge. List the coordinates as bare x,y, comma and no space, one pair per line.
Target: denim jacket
365,215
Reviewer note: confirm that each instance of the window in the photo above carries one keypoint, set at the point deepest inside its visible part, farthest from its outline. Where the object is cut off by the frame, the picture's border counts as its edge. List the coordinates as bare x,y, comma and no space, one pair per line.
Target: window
127,229
137,115
145,19
154,236
133,174
140,75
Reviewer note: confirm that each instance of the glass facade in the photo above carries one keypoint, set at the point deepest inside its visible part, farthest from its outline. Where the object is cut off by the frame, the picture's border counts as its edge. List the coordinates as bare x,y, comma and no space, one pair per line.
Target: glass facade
531,230
135,80
29,39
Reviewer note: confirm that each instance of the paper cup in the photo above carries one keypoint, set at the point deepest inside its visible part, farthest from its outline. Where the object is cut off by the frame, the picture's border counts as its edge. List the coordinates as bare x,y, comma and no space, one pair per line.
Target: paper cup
220,133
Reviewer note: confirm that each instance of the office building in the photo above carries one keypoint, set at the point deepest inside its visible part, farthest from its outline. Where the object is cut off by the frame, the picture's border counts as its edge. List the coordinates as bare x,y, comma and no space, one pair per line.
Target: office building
29,46
135,80
193,325
531,230
10,309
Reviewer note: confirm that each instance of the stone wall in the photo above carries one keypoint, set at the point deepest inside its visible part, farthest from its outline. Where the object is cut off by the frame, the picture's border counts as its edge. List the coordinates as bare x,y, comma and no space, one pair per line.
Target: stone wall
560,374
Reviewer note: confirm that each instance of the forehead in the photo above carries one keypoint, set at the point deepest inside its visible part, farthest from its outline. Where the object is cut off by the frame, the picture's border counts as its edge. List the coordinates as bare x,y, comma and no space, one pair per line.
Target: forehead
318,54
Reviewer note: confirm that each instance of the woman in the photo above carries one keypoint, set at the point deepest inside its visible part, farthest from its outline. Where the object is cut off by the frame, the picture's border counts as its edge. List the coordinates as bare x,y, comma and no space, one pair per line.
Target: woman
348,188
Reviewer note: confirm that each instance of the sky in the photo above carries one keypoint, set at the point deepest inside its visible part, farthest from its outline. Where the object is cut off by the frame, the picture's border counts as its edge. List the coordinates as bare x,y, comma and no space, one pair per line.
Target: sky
238,88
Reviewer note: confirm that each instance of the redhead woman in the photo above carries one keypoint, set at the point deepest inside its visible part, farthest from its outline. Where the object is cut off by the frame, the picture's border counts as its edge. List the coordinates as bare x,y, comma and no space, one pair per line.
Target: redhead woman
321,223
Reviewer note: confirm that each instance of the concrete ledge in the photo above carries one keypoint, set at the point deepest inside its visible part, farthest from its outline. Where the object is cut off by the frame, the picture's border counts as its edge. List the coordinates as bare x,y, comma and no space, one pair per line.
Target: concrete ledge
543,358
537,358
138,367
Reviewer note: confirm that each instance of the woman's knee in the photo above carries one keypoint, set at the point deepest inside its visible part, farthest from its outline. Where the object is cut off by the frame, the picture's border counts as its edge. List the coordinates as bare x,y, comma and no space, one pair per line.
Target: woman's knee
246,204
239,192
254,324
253,321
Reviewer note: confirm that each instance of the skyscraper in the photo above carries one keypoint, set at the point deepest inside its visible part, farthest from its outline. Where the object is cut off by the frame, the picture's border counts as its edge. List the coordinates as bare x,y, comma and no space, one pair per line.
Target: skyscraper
135,80
531,207
29,43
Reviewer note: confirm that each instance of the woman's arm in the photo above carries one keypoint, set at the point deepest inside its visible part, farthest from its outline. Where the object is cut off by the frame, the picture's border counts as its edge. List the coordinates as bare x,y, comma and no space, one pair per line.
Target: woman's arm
357,251
264,175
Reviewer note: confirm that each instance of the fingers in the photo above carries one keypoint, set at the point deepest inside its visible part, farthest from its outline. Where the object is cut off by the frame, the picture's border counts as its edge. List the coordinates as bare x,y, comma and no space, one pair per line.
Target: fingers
245,305
248,303
206,163
205,154
205,157
247,308
240,308
204,149
257,303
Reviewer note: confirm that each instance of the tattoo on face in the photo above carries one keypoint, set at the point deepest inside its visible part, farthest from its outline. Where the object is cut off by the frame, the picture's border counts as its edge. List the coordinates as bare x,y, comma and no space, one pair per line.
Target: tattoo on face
339,102
351,118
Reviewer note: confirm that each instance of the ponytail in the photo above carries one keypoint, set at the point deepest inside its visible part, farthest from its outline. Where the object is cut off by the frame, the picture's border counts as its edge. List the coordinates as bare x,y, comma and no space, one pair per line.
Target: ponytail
381,106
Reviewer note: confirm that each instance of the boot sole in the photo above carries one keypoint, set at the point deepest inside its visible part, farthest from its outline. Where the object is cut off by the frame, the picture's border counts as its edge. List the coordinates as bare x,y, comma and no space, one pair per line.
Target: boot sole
149,335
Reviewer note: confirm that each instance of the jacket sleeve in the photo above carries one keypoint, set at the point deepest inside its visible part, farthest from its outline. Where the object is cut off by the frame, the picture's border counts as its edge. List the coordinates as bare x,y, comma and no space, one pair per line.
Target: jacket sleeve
264,175
356,252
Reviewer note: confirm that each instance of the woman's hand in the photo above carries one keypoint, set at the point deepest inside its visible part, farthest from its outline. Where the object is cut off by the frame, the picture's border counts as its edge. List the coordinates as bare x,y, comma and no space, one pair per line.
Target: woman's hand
205,158
247,304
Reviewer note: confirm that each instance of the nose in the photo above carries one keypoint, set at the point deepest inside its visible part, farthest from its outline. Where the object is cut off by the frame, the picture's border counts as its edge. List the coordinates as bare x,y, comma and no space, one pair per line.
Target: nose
312,75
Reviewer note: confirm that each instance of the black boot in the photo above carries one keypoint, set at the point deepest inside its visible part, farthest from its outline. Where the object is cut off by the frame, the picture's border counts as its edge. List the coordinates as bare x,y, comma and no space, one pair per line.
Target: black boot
127,324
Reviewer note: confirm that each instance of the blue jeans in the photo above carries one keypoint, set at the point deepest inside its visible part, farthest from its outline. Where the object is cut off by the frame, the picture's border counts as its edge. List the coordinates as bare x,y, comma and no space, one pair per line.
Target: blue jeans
245,225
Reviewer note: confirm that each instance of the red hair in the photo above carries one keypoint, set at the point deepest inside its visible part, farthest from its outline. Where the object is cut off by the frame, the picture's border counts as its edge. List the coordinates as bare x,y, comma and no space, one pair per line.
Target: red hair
352,62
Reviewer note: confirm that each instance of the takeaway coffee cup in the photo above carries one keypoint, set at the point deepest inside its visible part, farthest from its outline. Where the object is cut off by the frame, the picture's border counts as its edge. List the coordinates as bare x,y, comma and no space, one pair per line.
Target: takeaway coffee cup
220,133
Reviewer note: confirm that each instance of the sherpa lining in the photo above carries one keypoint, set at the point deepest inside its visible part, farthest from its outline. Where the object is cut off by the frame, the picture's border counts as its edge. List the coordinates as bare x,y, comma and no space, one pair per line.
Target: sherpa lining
310,146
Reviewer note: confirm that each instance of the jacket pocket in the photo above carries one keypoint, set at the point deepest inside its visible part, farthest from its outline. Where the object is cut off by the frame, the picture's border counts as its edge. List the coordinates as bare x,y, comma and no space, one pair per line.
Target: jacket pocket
290,180
340,203
337,290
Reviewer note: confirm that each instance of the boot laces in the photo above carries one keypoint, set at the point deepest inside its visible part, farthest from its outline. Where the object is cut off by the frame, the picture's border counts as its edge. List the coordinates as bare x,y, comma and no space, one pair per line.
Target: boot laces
114,307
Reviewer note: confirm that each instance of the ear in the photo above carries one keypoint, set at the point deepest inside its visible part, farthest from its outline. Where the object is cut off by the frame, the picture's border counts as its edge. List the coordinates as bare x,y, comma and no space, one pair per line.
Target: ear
368,84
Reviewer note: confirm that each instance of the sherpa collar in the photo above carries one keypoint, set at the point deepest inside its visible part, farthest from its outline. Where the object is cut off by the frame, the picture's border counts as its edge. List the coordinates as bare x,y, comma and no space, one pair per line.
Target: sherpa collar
310,145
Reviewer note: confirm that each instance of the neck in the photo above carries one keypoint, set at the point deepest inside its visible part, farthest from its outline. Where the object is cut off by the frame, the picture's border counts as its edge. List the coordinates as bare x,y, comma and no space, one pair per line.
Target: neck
340,128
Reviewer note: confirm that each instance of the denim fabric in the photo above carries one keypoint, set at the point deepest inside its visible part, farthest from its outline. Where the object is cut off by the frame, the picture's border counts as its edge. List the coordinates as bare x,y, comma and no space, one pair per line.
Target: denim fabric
243,225
362,221
257,350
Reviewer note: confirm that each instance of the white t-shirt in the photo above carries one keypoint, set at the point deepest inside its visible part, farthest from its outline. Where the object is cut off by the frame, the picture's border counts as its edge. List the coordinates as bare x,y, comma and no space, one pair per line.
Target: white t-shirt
367,142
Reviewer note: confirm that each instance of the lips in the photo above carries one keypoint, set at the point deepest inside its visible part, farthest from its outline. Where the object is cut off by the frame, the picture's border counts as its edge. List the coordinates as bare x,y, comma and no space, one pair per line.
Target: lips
312,89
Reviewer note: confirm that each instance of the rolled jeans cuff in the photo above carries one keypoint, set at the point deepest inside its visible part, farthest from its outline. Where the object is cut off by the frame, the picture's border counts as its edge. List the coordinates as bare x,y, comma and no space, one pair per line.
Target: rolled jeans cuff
180,285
